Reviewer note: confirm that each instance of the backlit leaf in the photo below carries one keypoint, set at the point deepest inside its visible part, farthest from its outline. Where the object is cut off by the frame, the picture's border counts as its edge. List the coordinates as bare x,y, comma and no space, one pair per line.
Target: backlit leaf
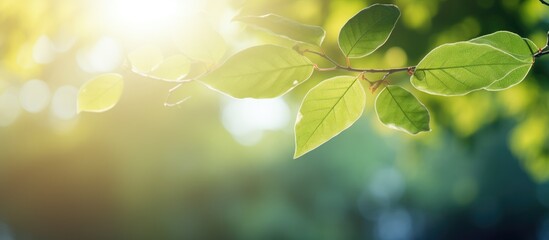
145,59
515,45
368,30
101,93
460,68
399,109
201,42
265,71
285,27
329,108
172,68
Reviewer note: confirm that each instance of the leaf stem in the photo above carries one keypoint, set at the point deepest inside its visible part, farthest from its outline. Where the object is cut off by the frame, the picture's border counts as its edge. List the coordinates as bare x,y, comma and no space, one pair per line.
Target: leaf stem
144,75
128,70
544,50
541,53
338,66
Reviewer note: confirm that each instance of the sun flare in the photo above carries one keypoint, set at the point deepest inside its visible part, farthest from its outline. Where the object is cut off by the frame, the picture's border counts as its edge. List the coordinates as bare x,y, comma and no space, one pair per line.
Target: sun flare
149,16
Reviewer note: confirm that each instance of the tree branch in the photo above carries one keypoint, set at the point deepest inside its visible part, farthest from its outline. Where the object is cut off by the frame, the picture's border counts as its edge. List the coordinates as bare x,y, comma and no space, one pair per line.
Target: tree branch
129,71
544,50
352,69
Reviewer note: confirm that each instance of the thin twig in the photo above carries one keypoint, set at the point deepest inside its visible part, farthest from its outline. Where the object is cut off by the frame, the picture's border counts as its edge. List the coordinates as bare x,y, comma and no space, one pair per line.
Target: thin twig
385,76
170,92
545,3
128,69
323,56
541,53
180,80
352,69
544,50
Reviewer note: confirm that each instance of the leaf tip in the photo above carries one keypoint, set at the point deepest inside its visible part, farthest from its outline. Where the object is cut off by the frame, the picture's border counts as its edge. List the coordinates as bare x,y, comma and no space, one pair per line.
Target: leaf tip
299,153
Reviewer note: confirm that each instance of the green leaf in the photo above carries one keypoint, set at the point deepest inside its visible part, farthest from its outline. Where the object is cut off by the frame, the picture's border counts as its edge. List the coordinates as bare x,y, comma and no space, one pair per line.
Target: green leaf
463,67
513,78
265,71
172,69
285,27
399,109
201,43
100,94
329,108
144,59
515,45
368,30
509,42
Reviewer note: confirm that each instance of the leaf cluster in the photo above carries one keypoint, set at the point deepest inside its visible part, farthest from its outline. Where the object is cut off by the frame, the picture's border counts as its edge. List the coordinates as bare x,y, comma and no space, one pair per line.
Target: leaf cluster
492,62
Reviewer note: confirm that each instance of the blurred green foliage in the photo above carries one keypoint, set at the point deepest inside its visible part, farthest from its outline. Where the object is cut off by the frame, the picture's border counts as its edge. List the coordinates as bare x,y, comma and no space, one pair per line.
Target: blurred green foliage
144,171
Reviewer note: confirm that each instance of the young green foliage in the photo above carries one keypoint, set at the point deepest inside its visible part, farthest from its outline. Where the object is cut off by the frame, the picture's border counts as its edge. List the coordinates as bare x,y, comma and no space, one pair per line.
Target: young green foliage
144,59
287,28
265,71
515,45
492,62
172,68
399,109
328,109
100,94
149,61
203,44
460,68
368,30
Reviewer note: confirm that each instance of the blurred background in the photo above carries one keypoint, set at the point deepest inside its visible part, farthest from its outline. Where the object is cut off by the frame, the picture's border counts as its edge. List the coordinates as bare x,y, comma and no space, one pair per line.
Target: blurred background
215,167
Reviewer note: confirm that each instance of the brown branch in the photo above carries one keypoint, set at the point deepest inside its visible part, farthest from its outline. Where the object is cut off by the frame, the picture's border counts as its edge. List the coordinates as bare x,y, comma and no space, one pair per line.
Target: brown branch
352,69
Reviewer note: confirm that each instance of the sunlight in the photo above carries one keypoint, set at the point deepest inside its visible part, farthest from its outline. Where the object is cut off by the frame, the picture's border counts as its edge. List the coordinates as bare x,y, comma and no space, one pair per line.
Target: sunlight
248,119
34,96
103,56
149,16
